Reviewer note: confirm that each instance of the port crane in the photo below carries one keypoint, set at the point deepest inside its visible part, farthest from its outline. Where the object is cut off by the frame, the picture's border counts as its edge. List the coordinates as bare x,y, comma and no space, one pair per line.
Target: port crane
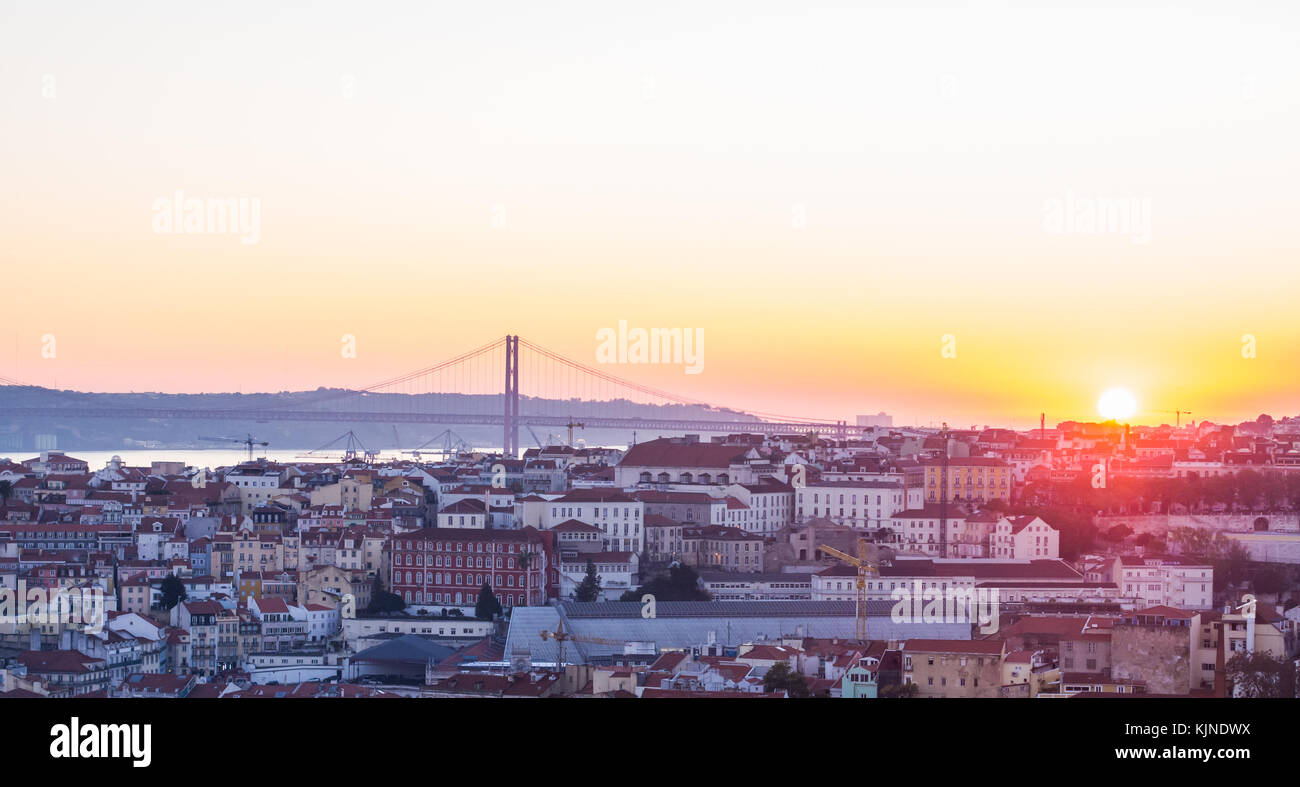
452,442
866,568
248,441
350,449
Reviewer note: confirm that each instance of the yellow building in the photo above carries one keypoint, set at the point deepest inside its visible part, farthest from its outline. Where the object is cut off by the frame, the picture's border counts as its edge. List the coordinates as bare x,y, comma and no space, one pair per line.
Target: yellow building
1032,669
352,493
954,668
970,478
253,552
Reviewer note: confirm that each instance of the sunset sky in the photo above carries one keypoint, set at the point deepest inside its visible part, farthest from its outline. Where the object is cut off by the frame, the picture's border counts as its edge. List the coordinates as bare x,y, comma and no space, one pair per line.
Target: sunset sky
825,191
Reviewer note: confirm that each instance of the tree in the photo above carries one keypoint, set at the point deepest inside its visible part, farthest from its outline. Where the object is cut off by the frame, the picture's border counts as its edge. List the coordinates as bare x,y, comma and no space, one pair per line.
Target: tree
6,491
780,676
487,607
898,690
679,584
1270,580
1119,533
1233,563
381,601
172,590
1259,674
589,588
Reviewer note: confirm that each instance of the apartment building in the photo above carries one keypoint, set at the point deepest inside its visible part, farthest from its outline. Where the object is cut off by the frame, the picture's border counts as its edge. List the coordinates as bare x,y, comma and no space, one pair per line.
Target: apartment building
725,548
1024,538
1155,581
953,668
862,505
973,479
439,566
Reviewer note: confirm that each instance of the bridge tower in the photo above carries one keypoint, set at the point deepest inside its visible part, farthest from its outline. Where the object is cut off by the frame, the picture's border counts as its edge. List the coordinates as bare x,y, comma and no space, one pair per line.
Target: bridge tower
510,442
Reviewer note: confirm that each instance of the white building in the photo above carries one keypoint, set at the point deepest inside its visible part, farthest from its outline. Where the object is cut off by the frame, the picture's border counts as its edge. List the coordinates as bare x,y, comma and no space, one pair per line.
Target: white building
835,583
466,513
770,506
918,531
756,586
685,460
617,572
257,485
865,505
1165,582
881,419
322,621
1024,538
620,516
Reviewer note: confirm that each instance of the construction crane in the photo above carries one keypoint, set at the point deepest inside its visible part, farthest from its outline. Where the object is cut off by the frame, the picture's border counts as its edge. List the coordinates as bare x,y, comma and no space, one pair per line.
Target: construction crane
1178,414
536,439
866,568
571,424
249,441
561,636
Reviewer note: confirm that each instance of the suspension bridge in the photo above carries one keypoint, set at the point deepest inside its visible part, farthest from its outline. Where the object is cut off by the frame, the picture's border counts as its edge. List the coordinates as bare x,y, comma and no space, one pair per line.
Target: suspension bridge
510,383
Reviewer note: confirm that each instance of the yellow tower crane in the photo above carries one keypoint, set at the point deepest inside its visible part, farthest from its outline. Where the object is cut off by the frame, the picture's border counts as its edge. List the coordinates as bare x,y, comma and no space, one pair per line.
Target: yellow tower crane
572,424
866,568
1178,415
561,636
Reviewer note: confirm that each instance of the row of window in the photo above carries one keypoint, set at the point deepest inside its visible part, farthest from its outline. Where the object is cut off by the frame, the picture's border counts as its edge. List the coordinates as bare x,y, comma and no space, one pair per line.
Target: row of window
687,478
437,560
439,578
420,597
446,546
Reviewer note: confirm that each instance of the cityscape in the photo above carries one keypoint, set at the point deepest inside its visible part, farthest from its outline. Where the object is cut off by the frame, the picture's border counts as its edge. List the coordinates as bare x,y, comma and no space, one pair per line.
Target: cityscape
712,351
885,561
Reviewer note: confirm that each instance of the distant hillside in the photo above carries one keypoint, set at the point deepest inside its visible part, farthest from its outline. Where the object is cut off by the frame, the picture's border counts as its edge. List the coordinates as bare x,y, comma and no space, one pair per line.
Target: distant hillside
21,433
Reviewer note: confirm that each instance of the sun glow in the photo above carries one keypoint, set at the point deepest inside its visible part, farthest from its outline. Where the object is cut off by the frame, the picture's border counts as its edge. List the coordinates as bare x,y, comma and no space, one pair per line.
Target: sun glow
1117,404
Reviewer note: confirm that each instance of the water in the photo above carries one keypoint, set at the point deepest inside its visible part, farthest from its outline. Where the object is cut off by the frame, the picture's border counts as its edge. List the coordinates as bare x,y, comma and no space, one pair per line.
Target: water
224,457
201,457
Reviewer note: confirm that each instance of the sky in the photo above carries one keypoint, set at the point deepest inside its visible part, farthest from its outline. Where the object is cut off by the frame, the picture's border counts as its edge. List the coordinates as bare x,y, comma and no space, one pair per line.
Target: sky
861,208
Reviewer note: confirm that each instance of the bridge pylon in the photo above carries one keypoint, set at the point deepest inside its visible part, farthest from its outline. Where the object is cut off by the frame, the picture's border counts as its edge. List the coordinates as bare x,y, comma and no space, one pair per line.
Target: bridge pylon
510,440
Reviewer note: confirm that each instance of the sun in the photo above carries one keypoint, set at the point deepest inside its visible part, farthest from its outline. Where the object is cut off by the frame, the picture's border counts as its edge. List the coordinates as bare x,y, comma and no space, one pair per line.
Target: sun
1117,404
